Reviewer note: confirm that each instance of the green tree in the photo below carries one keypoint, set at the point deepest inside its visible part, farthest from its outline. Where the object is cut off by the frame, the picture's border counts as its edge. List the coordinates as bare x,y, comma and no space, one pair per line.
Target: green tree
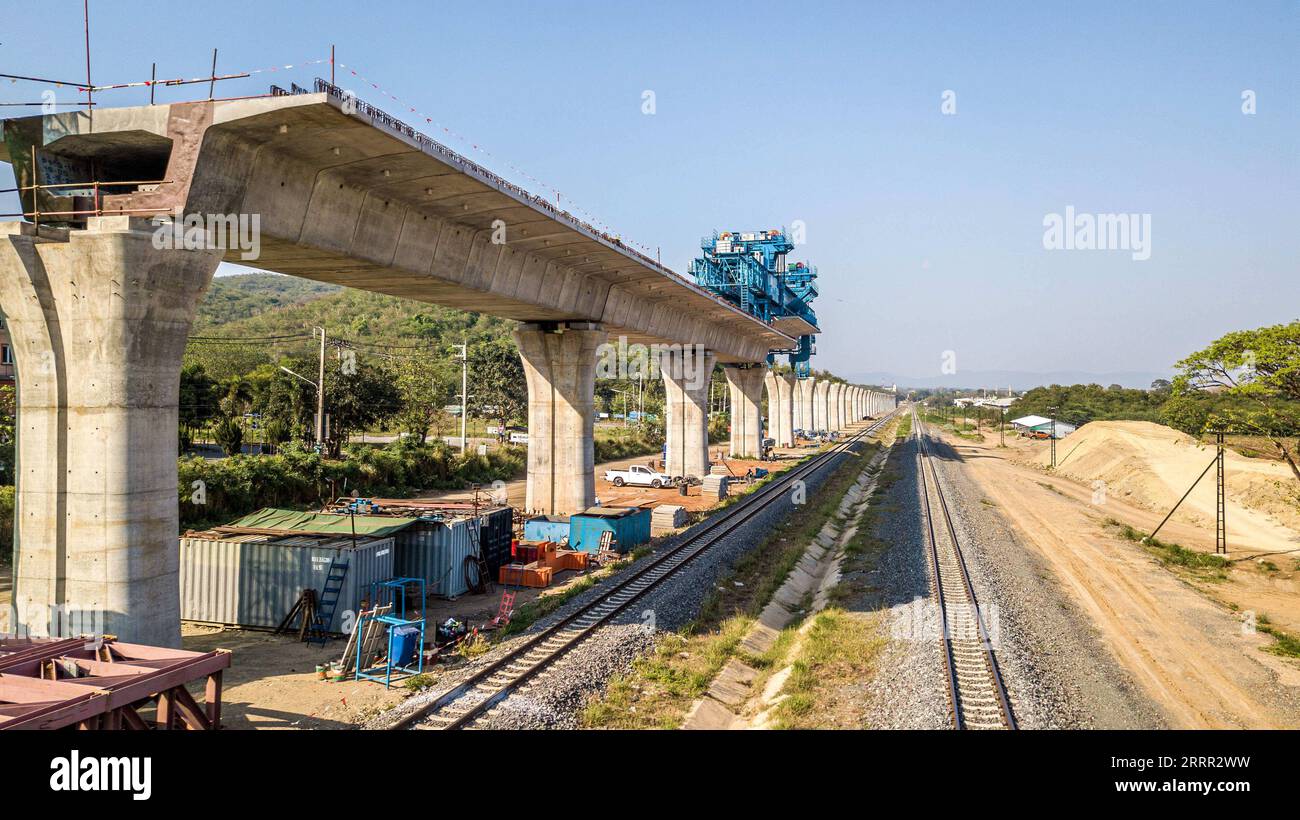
1258,372
357,398
497,388
229,435
198,401
426,384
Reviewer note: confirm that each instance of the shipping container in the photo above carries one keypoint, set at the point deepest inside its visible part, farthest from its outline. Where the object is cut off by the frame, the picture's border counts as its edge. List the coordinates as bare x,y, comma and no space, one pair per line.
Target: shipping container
547,528
437,552
630,525
495,534
253,579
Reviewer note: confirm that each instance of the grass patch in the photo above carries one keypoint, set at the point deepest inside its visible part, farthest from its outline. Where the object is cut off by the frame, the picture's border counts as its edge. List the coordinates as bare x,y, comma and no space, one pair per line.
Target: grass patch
472,646
1172,554
903,429
838,650
661,687
1284,643
418,683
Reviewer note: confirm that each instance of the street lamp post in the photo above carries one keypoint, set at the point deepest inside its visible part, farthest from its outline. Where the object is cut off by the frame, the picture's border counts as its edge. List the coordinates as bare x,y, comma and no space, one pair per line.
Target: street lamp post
320,407
320,396
464,390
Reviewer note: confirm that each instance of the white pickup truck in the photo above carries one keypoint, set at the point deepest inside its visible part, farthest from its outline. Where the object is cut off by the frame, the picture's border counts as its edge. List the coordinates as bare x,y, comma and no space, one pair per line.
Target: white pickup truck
638,476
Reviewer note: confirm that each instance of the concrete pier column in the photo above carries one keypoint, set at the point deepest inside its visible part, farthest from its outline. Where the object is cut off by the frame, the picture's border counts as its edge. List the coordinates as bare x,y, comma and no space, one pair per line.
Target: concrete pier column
803,396
780,407
687,372
844,406
99,319
821,406
785,392
796,412
560,367
834,410
746,383
857,404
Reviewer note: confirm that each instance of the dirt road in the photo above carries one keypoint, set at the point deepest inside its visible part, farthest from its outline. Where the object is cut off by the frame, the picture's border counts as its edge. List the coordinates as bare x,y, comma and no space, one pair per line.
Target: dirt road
1190,653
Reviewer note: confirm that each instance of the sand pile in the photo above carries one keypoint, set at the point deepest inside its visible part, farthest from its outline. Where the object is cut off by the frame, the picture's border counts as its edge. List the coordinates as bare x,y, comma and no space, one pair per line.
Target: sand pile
1152,466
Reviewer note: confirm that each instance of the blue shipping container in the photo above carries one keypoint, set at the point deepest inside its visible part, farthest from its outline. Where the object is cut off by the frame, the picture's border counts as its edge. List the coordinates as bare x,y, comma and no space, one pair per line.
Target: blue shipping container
547,528
630,525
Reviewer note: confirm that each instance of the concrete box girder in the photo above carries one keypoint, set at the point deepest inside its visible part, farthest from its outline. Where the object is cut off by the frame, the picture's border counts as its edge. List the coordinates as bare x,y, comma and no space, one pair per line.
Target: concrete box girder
418,213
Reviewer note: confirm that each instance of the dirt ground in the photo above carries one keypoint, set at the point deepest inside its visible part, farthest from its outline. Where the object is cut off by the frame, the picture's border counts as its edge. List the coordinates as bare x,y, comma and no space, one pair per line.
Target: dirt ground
272,684
1179,637
1152,466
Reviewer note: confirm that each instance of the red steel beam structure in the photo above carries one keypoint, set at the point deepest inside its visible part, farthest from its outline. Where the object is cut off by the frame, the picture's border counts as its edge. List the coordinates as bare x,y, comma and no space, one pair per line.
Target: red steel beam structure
55,683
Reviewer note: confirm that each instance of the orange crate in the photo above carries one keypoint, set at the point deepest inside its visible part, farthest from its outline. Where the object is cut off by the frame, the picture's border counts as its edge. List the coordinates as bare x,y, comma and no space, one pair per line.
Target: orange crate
524,575
572,559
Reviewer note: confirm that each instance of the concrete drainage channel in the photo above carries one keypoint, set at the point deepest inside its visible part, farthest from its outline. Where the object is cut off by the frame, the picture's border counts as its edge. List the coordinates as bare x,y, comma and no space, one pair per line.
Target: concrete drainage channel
805,592
553,693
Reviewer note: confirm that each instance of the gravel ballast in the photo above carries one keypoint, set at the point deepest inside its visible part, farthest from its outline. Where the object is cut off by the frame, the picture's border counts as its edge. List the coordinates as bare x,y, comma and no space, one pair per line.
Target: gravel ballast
1057,672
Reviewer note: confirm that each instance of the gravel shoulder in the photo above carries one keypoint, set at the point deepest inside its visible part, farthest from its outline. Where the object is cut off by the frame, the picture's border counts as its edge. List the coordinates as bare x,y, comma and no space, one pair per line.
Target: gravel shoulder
1187,654
1057,670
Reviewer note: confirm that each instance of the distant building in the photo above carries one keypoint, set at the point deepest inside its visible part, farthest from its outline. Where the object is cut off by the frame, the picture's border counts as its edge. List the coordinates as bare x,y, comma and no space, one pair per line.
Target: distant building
1040,424
979,401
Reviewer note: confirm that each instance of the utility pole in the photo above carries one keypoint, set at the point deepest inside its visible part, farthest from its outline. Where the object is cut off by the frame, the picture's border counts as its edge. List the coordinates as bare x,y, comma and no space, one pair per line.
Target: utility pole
464,391
1002,437
1220,500
320,397
1052,410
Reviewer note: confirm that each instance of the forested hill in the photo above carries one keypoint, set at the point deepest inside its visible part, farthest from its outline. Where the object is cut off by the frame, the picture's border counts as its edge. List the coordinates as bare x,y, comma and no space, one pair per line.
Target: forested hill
231,298
257,307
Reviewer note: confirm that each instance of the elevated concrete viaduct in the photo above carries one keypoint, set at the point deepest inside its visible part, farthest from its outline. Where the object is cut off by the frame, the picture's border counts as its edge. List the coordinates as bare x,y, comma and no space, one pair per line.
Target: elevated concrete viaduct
342,193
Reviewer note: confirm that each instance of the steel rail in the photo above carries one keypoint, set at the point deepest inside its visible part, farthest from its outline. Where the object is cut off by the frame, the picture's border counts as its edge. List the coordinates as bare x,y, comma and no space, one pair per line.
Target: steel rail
499,675
924,458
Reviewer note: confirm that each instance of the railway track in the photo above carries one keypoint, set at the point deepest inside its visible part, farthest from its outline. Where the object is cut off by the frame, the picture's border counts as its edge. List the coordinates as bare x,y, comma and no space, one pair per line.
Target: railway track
485,689
976,691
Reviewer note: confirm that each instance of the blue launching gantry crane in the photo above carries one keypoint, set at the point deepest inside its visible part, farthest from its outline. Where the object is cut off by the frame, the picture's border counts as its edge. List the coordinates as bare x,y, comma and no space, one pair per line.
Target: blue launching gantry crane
750,270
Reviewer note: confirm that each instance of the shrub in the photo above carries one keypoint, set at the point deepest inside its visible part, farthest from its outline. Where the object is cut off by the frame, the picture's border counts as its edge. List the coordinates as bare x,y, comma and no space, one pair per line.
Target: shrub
229,435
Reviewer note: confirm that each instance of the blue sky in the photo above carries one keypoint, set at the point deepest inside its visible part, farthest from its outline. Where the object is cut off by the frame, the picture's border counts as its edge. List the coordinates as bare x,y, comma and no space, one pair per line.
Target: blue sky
926,228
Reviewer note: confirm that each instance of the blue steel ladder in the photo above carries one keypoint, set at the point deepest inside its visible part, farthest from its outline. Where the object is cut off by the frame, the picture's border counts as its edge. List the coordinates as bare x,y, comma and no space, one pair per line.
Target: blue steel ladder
329,600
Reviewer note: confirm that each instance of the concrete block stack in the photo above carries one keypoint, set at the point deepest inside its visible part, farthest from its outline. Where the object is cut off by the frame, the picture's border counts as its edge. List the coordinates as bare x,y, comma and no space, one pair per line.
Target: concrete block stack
667,517
715,486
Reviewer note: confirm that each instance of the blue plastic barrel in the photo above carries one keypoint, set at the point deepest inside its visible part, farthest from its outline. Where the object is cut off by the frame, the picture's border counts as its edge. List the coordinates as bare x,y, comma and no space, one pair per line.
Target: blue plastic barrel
406,640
